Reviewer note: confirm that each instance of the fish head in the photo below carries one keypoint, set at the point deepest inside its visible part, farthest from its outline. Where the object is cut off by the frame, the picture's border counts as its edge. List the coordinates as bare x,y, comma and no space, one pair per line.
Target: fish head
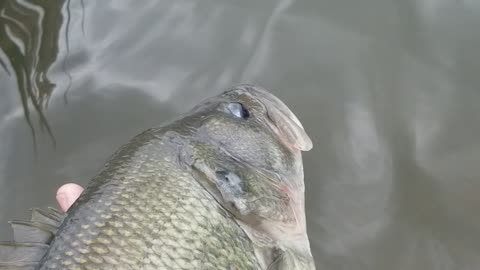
259,129
255,167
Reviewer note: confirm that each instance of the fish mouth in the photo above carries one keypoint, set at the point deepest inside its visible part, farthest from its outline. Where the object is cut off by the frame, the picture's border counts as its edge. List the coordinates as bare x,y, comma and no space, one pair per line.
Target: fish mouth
282,120
289,131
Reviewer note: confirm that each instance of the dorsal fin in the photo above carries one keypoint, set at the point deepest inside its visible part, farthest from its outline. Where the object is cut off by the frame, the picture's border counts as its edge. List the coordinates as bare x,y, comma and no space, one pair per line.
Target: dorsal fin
51,216
19,266
13,252
32,232
31,239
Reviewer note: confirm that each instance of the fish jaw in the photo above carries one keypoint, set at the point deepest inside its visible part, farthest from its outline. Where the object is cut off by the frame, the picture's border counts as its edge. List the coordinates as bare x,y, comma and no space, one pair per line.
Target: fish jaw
288,130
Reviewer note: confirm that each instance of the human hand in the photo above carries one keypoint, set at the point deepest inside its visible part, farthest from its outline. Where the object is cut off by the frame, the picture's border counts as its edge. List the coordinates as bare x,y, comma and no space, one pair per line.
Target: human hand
67,195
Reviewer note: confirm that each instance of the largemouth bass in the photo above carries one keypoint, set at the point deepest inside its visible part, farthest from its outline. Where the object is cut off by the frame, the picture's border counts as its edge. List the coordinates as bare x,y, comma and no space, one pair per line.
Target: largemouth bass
219,188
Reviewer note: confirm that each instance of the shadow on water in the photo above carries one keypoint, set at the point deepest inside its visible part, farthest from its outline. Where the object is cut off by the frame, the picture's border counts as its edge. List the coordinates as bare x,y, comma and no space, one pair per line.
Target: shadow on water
29,36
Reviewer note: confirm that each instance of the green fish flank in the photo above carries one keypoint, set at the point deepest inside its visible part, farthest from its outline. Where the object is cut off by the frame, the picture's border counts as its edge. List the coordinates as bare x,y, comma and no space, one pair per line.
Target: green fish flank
221,187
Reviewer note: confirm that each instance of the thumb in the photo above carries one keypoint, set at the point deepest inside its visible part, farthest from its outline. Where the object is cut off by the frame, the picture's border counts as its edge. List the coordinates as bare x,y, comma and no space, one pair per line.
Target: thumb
67,195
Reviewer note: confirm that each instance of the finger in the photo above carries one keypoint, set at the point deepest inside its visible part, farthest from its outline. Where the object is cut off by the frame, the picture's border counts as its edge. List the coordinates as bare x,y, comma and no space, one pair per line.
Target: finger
67,195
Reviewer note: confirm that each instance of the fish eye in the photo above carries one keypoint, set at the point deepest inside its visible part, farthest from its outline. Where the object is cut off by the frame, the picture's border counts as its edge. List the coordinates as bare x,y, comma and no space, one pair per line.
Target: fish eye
230,182
238,110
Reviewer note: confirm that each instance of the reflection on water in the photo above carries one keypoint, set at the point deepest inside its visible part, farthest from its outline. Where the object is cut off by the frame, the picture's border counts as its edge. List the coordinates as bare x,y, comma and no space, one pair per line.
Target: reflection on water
29,41
387,90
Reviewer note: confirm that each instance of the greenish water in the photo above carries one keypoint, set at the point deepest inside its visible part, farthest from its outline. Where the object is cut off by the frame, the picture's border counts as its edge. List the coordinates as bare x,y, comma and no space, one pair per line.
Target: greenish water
388,91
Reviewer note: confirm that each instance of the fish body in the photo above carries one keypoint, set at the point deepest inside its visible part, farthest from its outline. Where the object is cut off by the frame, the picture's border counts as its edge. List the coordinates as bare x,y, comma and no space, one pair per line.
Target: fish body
219,188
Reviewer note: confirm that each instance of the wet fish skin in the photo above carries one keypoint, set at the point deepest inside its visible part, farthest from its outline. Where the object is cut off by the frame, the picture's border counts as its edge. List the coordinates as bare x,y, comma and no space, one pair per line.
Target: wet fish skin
163,202
253,196
270,141
264,152
144,211
241,188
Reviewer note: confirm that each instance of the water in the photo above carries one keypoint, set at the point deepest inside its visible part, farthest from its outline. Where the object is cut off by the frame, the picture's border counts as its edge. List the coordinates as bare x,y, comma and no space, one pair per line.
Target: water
388,91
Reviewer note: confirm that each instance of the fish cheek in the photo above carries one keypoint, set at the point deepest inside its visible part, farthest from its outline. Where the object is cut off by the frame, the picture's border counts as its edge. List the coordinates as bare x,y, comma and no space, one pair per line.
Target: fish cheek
227,187
233,190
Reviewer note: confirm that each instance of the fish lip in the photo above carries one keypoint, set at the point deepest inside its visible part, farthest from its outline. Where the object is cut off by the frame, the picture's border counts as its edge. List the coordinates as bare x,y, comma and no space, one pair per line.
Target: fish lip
282,120
261,92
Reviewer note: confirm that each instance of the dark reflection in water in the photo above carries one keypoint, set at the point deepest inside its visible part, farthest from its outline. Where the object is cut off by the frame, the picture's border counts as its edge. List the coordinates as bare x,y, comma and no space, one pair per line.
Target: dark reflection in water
29,40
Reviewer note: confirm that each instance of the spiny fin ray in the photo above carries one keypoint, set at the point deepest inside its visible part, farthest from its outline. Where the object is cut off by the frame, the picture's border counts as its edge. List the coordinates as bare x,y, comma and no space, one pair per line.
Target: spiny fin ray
33,232
31,239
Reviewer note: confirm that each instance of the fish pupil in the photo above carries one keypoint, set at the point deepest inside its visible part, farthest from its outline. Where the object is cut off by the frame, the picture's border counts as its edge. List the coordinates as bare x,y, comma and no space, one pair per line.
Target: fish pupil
238,110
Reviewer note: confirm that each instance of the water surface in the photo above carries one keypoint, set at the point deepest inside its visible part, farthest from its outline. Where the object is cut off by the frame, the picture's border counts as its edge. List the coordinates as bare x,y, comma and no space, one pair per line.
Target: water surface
388,91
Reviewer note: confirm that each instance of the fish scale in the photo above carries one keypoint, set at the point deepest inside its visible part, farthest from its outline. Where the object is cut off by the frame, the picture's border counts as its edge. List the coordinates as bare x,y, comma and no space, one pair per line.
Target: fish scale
160,203
171,218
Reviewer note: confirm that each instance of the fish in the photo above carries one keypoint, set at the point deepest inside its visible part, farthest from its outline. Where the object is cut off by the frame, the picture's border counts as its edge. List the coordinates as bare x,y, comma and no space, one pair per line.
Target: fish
220,187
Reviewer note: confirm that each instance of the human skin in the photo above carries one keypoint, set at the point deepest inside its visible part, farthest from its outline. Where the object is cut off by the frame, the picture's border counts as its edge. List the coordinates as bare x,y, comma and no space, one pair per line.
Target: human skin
67,195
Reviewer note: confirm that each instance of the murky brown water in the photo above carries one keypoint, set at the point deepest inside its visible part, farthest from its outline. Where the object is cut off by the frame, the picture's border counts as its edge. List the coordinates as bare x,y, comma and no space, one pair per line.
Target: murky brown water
388,90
